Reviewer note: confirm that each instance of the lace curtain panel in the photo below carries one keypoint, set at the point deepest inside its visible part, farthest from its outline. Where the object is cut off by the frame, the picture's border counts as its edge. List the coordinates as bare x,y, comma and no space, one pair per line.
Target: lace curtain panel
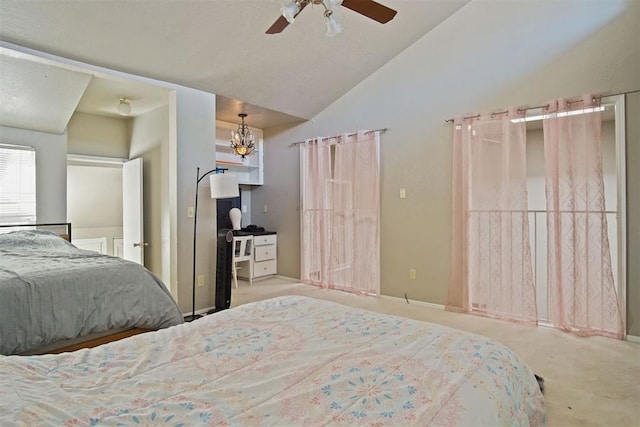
491,270
582,292
341,213
491,263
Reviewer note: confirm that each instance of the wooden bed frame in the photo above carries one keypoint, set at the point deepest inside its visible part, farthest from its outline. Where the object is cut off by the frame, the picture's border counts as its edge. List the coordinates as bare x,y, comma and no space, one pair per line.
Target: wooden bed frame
99,341
63,229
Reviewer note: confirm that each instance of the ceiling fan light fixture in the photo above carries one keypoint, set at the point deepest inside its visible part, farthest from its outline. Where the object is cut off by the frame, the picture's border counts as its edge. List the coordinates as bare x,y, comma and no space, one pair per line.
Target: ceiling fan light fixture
369,8
290,10
242,139
124,107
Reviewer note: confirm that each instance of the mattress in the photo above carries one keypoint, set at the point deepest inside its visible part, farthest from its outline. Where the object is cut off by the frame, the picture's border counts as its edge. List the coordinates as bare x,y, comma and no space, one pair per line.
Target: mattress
279,362
52,291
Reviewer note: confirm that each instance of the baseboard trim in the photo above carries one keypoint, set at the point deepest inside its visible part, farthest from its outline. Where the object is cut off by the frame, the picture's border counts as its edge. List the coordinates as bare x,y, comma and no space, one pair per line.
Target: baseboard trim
416,302
201,311
293,279
633,339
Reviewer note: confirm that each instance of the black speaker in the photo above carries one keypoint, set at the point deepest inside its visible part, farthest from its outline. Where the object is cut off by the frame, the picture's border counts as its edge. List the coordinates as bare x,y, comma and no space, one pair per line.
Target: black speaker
223,270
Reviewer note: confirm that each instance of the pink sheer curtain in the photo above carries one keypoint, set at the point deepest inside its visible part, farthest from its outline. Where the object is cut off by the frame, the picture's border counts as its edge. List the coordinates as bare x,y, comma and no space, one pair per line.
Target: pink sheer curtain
582,293
341,211
315,160
491,268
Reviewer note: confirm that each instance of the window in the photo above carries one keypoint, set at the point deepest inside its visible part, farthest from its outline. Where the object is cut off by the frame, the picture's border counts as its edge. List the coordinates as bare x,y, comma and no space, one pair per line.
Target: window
17,185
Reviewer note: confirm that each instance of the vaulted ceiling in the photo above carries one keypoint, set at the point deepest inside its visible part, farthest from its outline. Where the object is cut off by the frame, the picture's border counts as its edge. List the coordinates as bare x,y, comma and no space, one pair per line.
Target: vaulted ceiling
220,46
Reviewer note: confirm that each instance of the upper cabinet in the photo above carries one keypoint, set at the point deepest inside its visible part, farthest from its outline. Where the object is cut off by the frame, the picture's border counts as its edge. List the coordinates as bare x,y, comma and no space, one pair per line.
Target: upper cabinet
249,169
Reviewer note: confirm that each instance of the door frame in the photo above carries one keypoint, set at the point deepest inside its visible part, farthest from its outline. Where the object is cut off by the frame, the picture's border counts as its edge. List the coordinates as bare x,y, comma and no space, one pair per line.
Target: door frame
621,175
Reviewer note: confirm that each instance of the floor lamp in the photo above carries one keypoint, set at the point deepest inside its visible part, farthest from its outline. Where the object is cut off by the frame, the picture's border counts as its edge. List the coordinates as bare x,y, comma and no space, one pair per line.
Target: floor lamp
222,186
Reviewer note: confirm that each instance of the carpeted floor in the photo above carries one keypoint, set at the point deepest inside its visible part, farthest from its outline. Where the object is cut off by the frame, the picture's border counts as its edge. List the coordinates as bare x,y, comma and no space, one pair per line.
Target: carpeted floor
588,381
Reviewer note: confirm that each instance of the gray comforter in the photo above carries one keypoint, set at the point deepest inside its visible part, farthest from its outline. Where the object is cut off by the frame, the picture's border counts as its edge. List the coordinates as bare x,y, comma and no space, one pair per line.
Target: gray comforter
50,291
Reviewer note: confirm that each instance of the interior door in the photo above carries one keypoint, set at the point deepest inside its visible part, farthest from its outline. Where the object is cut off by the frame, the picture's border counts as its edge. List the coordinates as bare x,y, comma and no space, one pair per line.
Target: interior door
132,211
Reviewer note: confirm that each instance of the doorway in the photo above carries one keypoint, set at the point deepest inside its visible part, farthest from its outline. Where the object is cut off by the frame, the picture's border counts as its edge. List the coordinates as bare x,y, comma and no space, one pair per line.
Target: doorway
94,203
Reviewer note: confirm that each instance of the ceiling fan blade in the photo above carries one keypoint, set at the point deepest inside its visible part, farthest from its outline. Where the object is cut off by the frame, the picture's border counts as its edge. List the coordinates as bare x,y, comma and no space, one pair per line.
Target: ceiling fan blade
281,23
371,9
278,26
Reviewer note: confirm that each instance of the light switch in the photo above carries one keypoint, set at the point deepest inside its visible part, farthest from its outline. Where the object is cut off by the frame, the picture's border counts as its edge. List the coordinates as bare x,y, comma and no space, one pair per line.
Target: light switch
190,212
244,208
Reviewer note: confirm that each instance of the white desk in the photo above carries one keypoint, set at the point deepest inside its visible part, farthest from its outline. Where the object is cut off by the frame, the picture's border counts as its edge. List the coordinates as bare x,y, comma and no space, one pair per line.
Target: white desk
264,261
265,250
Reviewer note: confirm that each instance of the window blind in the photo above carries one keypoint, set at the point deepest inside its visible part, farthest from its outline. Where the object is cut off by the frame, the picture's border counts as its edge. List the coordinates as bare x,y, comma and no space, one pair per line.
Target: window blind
17,184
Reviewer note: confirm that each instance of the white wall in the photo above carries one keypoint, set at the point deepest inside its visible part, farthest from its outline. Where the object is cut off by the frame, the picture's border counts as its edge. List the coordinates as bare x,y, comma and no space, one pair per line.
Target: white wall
51,170
489,55
245,208
149,140
194,146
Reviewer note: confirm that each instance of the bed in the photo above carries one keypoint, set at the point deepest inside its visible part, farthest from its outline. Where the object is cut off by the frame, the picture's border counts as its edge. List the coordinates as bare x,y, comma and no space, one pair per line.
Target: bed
284,361
53,294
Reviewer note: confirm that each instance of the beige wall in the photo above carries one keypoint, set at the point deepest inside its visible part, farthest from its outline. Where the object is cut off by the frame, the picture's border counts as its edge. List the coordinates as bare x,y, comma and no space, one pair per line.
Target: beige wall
99,136
94,205
94,201
489,55
633,213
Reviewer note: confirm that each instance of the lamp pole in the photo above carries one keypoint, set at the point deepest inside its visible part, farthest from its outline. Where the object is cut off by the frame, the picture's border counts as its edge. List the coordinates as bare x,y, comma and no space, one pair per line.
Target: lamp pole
195,222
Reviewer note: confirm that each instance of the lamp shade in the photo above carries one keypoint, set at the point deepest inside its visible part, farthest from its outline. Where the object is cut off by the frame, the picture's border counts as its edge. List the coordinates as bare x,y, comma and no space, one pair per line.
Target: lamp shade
289,11
224,185
333,26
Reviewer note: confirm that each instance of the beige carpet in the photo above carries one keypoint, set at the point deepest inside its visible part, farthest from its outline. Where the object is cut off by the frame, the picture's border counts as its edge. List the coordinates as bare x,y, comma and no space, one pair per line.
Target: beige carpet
588,381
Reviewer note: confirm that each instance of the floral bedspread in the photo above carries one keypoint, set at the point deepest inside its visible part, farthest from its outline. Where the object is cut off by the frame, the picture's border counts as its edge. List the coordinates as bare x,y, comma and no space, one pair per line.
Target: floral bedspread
287,361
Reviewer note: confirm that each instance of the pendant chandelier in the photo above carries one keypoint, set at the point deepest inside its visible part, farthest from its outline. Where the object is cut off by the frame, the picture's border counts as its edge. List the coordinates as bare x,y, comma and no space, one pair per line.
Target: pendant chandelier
242,139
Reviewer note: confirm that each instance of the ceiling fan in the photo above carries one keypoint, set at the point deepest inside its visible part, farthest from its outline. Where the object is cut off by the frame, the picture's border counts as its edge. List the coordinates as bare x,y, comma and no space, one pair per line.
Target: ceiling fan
368,8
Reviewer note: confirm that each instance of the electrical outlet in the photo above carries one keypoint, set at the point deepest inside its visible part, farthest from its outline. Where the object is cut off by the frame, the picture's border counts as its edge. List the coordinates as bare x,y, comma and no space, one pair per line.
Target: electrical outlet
412,273
201,280
403,193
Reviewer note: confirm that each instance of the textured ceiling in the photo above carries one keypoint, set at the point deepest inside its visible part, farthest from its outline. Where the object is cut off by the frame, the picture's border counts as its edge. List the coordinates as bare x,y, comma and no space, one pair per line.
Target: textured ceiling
25,82
220,46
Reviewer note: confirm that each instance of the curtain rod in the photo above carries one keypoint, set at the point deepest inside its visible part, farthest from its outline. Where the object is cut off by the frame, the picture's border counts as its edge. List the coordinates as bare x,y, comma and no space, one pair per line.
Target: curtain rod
542,106
293,144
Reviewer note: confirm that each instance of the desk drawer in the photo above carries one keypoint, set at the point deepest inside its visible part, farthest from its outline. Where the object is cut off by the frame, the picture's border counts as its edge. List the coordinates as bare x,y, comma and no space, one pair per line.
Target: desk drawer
264,268
267,239
263,253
